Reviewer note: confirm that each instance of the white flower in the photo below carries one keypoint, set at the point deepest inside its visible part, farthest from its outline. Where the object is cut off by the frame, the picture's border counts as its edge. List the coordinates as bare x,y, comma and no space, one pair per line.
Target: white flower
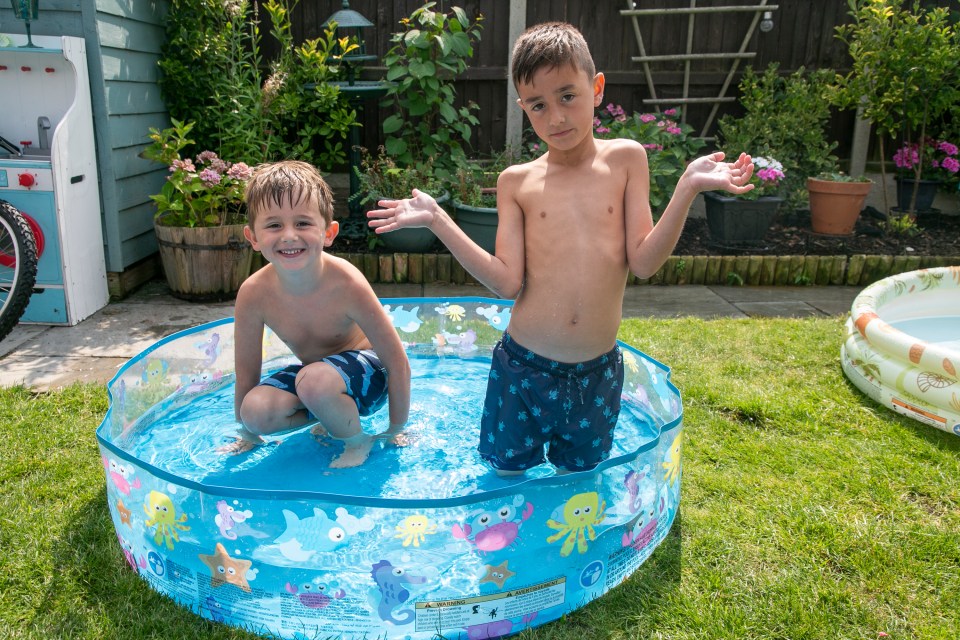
760,162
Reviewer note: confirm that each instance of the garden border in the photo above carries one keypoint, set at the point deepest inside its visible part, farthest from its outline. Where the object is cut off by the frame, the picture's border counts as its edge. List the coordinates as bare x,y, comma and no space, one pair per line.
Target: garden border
855,270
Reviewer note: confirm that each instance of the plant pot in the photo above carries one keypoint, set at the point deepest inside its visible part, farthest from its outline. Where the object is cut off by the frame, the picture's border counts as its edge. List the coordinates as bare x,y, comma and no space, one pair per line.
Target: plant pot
413,240
204,263
734,221
835,206
479,223
926,192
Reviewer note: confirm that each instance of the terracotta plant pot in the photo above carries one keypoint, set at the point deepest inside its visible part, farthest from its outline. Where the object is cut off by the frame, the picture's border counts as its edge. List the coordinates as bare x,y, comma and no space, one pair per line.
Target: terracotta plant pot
835,206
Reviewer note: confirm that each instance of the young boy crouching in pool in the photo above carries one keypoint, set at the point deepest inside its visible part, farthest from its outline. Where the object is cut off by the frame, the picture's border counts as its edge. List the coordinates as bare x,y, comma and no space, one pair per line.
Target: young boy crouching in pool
324,310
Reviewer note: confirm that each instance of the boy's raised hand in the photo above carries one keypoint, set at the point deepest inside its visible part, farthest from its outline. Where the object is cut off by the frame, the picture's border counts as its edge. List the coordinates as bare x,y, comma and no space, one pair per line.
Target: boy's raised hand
416,211
710,173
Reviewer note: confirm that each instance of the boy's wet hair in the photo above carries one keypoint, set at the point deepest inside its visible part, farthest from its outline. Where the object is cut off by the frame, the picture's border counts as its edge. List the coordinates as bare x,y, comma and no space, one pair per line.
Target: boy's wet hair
550,45
292,181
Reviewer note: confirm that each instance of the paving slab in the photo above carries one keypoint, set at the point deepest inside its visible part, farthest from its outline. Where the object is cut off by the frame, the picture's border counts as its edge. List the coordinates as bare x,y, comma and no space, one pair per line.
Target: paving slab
677,302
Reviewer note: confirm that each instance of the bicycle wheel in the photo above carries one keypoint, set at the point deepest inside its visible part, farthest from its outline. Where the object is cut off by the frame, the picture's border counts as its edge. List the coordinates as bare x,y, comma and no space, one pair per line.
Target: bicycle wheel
18,266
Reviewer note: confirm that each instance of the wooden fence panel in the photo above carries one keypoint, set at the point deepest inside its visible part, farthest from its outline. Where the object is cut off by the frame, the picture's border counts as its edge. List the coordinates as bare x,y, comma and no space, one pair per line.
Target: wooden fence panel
802,36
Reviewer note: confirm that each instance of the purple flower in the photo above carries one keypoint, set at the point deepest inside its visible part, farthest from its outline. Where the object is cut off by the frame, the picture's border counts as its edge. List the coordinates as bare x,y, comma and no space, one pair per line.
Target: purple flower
206,156
950,164
947,147
210,178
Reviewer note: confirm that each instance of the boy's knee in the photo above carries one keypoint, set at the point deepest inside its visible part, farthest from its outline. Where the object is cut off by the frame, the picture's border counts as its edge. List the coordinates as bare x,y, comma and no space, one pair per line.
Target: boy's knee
317,381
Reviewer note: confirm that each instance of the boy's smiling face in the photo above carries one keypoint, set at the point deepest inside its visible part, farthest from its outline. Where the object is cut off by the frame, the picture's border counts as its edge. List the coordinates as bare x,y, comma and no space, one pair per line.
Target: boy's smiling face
290,235
560,103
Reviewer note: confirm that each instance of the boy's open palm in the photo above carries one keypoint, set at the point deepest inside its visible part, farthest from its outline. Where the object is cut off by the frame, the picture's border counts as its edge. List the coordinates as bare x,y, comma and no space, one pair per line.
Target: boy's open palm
417,211
709,173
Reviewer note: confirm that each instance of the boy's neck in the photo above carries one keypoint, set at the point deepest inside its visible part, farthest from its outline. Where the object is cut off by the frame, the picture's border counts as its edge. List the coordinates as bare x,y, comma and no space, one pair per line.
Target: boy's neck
302,281
575,156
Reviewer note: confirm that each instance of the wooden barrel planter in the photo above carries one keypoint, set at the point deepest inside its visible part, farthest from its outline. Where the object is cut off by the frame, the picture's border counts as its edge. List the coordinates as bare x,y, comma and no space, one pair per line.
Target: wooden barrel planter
204,264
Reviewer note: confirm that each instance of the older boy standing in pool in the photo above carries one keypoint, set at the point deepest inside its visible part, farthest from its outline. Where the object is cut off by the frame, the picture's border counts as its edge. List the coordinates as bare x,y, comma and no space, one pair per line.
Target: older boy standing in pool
324,311
572,225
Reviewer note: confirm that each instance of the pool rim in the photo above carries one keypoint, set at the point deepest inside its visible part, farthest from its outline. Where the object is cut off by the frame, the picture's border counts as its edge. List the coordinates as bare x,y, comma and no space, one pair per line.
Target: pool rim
369,501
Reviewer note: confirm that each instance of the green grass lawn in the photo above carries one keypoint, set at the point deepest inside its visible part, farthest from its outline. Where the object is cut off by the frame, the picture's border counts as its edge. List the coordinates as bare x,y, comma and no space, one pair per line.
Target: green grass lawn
807,511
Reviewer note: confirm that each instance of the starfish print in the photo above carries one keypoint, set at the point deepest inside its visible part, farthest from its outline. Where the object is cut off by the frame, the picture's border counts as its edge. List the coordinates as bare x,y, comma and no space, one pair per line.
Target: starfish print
497,574
223,568
124,513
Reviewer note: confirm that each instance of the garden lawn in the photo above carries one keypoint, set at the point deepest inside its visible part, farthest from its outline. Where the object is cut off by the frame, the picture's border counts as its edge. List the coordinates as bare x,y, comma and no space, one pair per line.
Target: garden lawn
807,511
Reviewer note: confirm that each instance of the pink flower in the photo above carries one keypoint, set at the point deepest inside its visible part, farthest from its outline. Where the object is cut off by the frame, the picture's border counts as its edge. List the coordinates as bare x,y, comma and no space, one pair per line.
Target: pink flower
648,117
210,177
602,130
652,146
948,148
182,165
674,130
670,112
950,164
206,156
240,171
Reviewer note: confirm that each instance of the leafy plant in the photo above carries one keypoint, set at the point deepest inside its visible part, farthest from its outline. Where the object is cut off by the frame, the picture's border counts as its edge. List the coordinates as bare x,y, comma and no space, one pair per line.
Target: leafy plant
669,144
213,76
784,117
308,117
904,73
205,191
903,225
426,130
381,177
210,65
839,176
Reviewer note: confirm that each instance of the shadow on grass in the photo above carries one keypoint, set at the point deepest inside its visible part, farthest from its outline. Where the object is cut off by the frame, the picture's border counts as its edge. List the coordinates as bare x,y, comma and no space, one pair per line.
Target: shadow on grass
931,434
95,593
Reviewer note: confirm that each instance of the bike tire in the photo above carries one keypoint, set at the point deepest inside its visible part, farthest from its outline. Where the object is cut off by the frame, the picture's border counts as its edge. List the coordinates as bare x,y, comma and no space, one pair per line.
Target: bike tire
18,266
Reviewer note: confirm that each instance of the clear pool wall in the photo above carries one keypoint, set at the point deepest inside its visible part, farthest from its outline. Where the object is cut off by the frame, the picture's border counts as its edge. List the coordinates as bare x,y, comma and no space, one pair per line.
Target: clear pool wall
298,563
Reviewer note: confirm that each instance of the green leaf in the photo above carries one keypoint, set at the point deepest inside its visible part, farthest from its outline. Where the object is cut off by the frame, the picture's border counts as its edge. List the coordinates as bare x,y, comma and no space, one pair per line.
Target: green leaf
392,124
395,146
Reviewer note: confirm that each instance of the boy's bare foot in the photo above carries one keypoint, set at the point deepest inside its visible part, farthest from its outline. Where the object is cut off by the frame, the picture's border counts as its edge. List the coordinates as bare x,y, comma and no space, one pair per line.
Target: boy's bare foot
239,445
355,452
242,443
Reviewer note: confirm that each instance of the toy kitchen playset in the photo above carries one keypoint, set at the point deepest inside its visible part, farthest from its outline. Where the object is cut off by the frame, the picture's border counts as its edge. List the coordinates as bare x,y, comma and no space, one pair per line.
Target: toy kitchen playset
48,170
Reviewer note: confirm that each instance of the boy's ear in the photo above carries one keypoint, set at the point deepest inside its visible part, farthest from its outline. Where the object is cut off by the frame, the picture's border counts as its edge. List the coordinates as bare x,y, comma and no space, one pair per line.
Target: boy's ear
599,82
332,230
252,239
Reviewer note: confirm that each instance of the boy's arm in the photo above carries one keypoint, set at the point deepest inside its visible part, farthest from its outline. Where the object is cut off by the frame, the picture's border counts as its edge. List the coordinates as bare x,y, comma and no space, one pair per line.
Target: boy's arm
369,315
248,348
502,272
649,245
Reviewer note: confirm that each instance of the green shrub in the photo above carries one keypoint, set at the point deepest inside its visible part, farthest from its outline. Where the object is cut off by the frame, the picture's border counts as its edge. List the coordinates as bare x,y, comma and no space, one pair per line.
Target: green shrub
785,118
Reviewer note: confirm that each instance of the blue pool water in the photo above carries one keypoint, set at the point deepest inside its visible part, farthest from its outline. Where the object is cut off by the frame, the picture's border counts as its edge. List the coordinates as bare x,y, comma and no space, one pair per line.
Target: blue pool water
939,330
419,542
184,442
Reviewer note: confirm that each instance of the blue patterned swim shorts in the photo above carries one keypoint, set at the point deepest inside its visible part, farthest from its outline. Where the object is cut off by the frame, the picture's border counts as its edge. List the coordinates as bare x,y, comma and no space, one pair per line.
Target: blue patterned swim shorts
365,377
534,402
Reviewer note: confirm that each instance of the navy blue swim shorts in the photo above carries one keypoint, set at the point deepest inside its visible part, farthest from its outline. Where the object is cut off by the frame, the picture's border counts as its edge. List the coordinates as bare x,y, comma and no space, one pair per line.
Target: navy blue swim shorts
365,377
533,402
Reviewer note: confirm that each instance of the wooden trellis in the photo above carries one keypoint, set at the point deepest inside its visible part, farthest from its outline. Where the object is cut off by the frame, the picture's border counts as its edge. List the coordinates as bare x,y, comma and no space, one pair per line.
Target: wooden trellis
688,57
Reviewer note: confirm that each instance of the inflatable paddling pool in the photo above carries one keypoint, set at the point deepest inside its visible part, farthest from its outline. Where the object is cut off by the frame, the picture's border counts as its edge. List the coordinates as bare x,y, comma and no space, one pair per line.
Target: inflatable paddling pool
419,542
902,345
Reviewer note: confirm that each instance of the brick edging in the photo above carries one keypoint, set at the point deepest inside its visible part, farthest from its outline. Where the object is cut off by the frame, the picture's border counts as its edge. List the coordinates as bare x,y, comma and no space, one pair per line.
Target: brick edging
857,270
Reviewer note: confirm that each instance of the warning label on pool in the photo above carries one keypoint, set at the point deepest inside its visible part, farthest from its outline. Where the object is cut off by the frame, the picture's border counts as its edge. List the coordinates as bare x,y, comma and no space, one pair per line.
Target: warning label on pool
468,612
